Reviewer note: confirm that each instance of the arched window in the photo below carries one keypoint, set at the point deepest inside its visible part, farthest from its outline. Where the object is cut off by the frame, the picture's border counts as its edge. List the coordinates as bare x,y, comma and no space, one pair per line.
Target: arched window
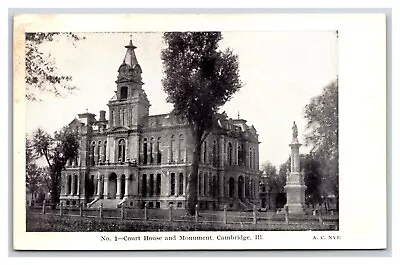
231,187
215,153
240,154
105,151
246,187
240,187
145,151
121,150
173,148
158,150
230,151
181,149
205,152
152,143
98,151
92,153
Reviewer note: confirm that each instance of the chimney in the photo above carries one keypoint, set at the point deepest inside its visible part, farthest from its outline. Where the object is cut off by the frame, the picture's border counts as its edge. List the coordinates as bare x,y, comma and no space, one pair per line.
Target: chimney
102,115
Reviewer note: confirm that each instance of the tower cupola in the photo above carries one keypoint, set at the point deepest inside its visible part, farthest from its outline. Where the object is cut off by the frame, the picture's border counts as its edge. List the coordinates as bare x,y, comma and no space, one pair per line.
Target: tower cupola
130,104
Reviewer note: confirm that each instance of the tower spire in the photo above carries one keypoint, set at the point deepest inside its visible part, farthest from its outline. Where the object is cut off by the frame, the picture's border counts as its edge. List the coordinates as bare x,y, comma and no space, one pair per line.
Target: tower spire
130,56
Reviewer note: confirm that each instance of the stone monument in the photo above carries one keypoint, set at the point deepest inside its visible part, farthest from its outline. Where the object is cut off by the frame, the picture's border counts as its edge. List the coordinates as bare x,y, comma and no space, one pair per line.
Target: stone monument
295,188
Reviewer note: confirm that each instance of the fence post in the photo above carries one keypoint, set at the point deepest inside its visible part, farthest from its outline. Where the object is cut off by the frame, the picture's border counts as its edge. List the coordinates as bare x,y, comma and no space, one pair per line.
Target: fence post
320,217
123,211
170,212
254,214
80,209
196,213
225,215
44,207
101,210
145,212
286,215
61,209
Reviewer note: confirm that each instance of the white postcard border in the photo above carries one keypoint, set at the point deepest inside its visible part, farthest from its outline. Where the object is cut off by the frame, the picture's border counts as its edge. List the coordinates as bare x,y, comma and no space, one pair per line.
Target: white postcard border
362,126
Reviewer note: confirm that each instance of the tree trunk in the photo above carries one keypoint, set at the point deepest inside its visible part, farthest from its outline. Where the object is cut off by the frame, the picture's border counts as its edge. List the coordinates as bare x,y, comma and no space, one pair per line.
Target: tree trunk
192,187
54,194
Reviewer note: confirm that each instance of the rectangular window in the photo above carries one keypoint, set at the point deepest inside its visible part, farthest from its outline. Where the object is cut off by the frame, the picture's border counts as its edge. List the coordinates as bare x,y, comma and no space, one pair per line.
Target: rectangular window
200,182
158,184
172,183
144,183
151,185
124,93
180,184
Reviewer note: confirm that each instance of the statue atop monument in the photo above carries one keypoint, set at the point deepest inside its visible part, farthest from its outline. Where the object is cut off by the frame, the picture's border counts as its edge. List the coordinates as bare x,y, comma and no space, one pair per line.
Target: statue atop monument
294,129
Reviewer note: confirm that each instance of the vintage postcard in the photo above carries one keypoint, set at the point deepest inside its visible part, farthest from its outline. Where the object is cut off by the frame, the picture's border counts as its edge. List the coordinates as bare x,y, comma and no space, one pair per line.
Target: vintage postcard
178,132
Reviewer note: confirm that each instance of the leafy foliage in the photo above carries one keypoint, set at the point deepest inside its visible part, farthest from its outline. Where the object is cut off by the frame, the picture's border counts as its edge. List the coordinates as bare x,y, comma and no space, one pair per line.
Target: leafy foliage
322,134
31,169
273,180
56,150
311,168
41,72
198,79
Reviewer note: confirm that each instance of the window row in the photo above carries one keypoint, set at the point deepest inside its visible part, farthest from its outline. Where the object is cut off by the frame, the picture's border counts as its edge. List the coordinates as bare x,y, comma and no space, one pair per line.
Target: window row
151,152
244,188
121,117
97,150
208,185
151,185
235,154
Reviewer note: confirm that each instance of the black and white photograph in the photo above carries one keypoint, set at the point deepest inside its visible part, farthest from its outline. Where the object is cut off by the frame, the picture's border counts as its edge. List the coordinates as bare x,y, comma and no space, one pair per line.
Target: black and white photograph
182,131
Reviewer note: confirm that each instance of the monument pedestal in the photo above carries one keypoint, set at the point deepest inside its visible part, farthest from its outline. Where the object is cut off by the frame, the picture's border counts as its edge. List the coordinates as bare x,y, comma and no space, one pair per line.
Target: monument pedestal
295,188
295,201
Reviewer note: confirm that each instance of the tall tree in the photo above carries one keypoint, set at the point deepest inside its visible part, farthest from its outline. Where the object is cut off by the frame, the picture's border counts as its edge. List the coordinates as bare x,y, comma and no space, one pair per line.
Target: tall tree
311,168
283,169
272,178
322,134
41,71
198,79
56,150
31,169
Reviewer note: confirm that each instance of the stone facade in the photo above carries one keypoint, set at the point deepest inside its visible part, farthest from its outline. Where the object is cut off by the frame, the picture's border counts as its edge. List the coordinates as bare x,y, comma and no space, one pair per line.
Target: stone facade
139,159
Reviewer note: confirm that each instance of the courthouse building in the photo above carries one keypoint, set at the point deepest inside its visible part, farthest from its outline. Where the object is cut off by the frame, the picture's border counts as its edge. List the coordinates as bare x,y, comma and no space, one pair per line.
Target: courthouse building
136,158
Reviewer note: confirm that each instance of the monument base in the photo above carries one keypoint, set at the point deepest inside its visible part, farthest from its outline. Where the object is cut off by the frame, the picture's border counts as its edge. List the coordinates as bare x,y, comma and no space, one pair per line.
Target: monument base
295,209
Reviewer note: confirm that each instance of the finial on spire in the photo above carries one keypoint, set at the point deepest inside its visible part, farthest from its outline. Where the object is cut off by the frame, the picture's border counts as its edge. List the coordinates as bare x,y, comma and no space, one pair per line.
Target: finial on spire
130,45
87,110
238,115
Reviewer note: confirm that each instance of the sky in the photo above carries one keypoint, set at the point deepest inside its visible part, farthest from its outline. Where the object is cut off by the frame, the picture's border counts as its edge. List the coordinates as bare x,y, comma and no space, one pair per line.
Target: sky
281,72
